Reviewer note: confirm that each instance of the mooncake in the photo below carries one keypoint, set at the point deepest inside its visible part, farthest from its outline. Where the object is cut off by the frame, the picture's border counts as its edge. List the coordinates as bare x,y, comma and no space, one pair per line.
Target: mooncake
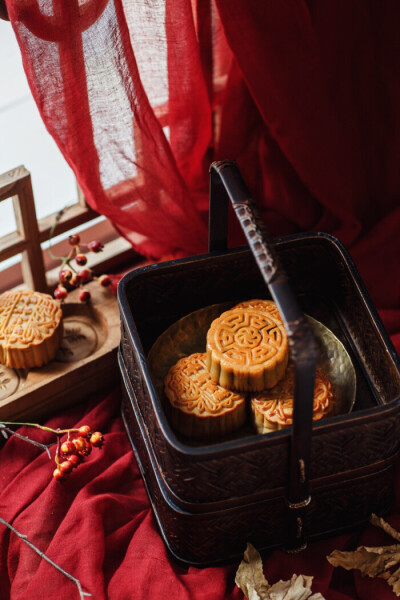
247,349
263,305
30,328
273,409
198,407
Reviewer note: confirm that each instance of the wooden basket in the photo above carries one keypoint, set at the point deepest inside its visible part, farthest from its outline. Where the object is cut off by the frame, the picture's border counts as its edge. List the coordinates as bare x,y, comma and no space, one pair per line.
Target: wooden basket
282,488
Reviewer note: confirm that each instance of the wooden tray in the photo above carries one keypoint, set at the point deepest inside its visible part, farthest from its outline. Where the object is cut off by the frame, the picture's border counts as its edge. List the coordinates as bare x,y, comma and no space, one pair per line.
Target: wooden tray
85,364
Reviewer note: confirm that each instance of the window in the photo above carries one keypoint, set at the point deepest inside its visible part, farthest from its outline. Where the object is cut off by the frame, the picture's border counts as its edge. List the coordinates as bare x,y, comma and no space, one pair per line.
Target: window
25,142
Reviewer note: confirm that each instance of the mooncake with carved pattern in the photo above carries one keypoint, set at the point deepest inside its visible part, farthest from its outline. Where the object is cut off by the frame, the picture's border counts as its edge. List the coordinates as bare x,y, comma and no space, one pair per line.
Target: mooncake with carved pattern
273,409
263,305
247,349
198,407
30,329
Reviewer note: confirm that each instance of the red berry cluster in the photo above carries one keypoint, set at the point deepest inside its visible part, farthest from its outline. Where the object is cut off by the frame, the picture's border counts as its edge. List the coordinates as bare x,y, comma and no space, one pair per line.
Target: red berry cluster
70,278
78,445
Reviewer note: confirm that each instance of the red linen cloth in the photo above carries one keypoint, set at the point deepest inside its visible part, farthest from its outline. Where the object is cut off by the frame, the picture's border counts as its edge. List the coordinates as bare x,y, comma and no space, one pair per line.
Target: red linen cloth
98,526
306,97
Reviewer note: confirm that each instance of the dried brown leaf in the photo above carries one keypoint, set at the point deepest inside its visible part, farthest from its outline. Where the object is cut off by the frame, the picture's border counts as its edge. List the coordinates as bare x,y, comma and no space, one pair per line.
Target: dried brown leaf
373,561
369,563
297,588
250,578
394,582
379,522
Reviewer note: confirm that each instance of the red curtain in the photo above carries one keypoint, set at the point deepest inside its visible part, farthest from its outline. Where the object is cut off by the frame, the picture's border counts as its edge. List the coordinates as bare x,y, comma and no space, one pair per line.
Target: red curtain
141,96
305,95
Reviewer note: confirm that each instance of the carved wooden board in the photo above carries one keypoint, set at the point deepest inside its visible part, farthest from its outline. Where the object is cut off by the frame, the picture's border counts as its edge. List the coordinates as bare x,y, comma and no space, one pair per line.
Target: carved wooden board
86,362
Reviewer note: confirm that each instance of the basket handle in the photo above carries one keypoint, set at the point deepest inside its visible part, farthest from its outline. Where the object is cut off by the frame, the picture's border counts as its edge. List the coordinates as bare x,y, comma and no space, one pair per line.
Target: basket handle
226,182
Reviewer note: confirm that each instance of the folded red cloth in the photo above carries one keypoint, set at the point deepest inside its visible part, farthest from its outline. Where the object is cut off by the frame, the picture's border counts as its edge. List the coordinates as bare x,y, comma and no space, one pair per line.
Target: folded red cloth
98,526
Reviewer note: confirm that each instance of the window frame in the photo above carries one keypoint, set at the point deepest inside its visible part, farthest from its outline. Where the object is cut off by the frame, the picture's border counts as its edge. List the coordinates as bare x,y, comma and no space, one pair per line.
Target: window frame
37,270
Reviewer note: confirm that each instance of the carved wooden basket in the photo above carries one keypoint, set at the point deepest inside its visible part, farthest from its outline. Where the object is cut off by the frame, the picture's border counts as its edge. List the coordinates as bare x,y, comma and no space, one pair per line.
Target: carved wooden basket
278,489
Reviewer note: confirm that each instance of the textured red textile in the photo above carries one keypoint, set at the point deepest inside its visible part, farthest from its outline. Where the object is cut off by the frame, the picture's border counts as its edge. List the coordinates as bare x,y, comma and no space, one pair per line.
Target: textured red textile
98,526
319,148
305,95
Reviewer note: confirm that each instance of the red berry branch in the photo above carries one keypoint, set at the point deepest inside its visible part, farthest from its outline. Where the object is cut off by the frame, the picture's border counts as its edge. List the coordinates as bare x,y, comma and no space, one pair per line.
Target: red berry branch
70,277
70,453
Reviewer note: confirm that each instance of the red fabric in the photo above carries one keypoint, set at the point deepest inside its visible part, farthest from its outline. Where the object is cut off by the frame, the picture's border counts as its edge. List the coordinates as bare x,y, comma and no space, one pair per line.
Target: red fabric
316,107
306,97
98,526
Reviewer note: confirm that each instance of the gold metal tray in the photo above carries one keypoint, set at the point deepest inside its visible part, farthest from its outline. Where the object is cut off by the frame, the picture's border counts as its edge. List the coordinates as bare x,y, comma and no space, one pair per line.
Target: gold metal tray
188,335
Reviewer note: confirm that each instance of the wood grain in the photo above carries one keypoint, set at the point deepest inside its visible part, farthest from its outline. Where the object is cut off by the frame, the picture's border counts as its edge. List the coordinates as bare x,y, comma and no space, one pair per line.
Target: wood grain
17,184
85,365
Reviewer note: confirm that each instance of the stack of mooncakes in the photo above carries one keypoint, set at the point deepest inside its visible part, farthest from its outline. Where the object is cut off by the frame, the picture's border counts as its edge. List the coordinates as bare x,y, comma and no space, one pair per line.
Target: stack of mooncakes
246,363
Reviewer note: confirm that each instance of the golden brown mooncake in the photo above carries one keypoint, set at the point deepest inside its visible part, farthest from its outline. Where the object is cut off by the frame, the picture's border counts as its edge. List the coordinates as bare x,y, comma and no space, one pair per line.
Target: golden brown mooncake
263,305
273,409
247,349
30,329
197,407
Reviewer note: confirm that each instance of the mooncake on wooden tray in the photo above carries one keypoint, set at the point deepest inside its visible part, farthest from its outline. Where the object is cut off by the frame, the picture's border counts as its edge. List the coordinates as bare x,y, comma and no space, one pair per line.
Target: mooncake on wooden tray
30,329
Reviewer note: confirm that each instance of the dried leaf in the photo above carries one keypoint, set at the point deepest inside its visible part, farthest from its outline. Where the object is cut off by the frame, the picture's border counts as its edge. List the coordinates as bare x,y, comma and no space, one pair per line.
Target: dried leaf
373,561
379,522
369,563
298,588
250,577
394,582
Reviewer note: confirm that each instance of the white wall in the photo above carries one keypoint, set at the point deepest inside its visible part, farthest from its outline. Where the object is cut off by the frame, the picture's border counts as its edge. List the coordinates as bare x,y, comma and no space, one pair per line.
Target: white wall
24,139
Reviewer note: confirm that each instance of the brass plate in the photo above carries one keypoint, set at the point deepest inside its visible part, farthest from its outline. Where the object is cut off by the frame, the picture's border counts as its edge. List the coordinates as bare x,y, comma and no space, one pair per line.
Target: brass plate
188,335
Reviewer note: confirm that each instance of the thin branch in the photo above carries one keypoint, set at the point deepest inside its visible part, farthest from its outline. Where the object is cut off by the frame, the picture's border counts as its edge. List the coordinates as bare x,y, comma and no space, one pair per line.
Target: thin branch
42,427
24,538
26,439
53,227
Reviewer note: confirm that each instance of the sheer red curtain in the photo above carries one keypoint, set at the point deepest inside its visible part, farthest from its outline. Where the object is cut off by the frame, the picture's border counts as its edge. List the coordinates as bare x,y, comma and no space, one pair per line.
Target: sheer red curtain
305,95
135,150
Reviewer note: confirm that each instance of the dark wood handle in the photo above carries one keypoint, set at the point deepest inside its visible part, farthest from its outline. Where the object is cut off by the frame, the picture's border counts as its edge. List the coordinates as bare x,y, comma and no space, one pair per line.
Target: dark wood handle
227,182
